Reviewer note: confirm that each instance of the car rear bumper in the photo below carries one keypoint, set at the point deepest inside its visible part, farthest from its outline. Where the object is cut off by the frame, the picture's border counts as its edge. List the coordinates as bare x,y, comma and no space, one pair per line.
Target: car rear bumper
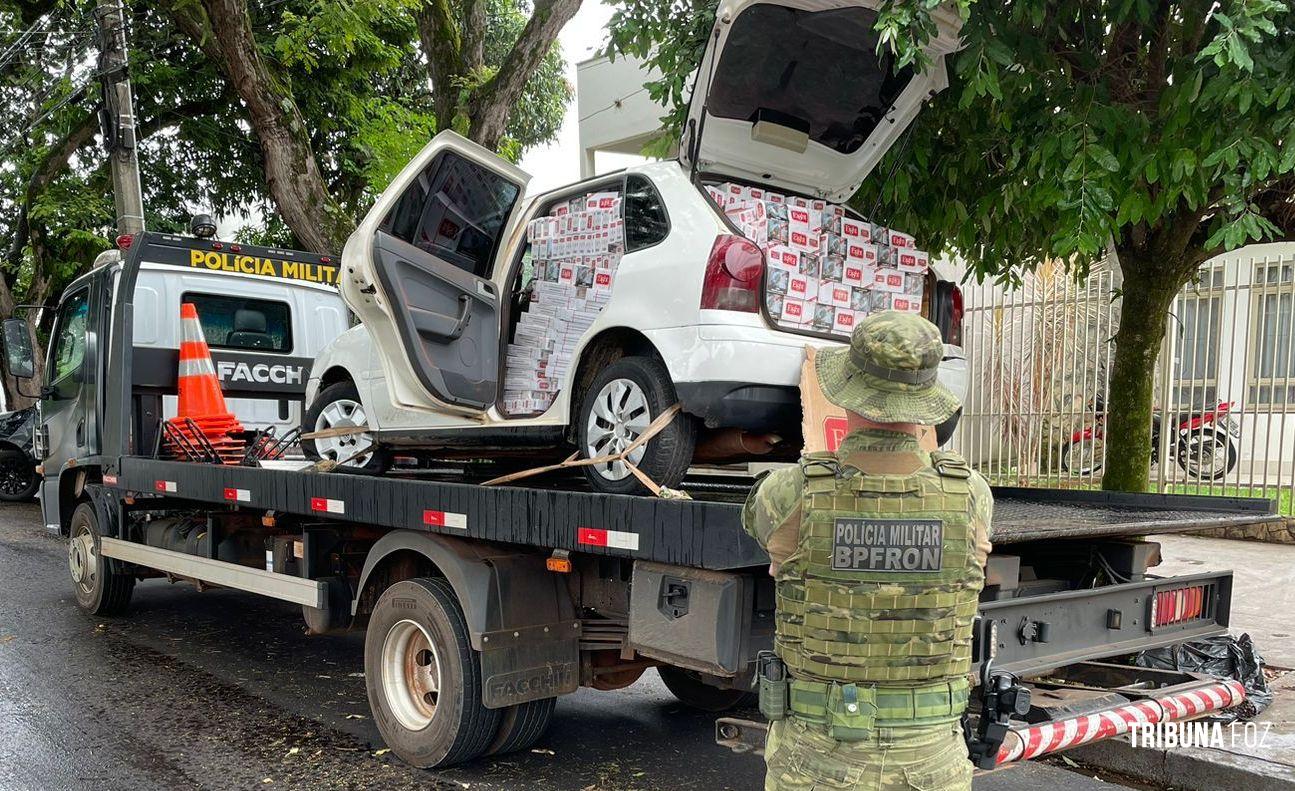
761,408
743,376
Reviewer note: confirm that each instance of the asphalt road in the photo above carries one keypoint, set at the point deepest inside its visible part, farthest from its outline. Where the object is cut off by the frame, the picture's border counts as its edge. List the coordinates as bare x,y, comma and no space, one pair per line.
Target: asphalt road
223,690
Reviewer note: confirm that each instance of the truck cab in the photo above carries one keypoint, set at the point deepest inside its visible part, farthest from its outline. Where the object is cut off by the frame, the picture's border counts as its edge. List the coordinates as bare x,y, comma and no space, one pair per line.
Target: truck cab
265,313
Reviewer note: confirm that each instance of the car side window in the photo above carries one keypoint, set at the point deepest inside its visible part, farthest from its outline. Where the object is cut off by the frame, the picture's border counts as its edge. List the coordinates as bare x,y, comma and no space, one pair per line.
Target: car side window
456,210
646,222
69,342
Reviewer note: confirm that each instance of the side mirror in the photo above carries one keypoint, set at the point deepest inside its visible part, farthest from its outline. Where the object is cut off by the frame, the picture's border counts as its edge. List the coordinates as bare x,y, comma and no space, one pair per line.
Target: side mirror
19,359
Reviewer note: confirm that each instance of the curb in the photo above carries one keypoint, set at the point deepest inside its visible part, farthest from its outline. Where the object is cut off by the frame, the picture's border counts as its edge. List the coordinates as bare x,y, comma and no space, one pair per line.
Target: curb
1189,769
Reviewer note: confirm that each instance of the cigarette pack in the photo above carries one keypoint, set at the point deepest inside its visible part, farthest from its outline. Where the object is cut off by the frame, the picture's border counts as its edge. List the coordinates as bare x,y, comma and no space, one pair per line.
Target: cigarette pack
778,280
860,300
851,229
895,238
602,200
811,265
906,303
802,232
862,253
781,257
824,317
857,275
794,312
802,287
843,321
833,268
836,295
887,279
912,260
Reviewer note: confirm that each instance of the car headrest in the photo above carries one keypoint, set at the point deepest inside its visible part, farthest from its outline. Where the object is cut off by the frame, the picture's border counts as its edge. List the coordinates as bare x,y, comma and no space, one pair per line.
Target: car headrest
249,321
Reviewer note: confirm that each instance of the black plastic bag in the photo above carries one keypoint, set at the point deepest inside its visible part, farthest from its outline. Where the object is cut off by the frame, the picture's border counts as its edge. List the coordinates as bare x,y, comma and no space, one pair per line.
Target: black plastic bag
1223,657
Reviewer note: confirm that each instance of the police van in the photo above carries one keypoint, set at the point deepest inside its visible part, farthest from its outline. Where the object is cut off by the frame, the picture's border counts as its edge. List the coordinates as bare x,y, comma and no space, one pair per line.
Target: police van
265,313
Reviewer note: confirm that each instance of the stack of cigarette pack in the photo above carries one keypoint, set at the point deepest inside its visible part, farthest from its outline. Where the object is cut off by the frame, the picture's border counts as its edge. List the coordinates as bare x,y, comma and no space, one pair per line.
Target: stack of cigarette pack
825,270
574,251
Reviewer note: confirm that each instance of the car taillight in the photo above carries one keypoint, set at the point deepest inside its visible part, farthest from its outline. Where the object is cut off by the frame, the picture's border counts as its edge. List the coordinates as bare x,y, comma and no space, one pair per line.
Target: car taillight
955,317
1180,605
732,279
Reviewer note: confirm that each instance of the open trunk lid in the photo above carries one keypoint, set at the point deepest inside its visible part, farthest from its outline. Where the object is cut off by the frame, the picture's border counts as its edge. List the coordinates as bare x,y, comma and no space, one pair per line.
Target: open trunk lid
793,94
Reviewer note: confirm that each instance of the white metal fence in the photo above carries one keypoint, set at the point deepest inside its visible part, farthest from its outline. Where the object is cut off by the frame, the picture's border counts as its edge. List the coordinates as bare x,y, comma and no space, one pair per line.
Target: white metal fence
1039,355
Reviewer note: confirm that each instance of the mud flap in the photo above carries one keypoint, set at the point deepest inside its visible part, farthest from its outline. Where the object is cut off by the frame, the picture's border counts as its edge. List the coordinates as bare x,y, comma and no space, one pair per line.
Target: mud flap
530,663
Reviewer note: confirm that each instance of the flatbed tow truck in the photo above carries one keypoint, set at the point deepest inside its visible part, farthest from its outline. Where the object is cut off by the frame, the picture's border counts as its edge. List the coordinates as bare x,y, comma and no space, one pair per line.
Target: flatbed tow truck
483,604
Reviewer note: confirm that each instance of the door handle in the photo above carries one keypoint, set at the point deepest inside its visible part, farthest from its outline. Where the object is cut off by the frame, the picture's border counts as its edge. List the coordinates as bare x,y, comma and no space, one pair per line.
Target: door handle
80,432
440,327
465,314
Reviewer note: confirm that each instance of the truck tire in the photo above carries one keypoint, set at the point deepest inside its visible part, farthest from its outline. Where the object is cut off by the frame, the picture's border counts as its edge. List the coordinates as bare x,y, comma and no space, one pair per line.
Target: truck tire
692,691
521,726
100,587
423,678
18,478
619,405
336,406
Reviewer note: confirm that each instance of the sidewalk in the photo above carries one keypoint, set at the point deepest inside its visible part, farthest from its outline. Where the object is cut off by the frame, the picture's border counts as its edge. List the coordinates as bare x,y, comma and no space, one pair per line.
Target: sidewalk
1263,604
1263,588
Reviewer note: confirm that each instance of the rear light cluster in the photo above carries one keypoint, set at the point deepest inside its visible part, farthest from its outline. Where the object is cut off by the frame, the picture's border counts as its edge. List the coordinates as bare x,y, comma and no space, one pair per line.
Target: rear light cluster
956,313
1180,605
733,272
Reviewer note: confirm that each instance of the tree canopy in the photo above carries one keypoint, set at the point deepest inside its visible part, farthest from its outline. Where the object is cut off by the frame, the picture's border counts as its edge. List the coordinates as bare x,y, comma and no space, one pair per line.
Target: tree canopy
295,111
1154,128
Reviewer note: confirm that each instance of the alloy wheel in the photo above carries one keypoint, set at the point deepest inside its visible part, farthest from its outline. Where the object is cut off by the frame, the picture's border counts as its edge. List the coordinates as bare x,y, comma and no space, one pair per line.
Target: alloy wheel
344,413
619,415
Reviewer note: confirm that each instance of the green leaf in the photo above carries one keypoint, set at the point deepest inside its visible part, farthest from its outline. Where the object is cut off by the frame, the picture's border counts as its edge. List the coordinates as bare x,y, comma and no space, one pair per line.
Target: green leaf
1104,157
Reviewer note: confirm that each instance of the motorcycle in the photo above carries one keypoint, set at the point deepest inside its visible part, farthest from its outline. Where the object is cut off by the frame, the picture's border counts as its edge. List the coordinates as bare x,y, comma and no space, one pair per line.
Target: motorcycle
1204,443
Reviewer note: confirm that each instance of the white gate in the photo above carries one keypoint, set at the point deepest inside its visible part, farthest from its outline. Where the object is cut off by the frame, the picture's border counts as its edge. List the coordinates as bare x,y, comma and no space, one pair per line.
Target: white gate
1039,355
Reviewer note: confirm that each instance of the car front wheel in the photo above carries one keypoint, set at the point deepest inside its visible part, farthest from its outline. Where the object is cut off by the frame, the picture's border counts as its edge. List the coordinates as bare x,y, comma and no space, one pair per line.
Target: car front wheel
617,408
337,408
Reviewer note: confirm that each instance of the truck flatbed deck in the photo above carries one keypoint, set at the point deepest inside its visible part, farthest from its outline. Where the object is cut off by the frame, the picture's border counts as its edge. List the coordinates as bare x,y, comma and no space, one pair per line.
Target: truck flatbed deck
701,533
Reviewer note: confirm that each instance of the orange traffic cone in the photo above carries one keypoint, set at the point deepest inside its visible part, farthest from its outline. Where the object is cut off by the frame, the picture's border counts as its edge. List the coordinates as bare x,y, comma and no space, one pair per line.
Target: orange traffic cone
201,403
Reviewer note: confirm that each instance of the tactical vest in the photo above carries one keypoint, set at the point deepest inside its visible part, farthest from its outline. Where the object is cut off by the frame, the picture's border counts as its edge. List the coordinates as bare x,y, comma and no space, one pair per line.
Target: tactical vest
883,585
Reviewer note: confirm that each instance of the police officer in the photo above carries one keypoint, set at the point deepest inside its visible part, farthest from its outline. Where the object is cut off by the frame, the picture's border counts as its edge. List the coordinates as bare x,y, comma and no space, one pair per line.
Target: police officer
879,552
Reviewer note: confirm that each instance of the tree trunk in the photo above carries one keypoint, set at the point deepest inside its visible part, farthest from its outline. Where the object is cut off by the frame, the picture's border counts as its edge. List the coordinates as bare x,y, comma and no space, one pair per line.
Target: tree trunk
223,30
1148,293
492,104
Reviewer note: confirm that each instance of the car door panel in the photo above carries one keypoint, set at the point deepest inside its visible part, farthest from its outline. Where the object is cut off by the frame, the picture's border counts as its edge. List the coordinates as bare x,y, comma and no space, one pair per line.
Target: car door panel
418,273
436,305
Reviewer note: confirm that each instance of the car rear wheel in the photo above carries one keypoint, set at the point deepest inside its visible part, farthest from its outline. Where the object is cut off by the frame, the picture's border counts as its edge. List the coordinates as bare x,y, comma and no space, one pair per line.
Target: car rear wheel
338,407
617,408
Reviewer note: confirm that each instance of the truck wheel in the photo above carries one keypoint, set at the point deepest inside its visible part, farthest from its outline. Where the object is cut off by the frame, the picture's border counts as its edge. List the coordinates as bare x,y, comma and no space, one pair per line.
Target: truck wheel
620,403
692,691
338,406
423,678
521,726
101,589
18,479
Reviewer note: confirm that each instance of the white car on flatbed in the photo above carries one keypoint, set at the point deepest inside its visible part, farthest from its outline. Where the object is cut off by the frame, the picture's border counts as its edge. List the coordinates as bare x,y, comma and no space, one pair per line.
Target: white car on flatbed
437,270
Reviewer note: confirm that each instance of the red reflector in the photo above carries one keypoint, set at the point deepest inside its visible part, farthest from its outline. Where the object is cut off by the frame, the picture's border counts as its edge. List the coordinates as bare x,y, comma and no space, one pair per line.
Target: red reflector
732,277
233,248
323,259
1179,606
217,246
124,241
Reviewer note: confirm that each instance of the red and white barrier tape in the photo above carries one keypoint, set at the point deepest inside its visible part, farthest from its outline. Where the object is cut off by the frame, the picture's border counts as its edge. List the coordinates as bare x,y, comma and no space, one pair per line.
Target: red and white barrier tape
1049,737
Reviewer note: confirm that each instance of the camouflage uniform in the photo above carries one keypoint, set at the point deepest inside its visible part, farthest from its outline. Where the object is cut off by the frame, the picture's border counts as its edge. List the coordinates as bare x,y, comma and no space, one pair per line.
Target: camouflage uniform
879,659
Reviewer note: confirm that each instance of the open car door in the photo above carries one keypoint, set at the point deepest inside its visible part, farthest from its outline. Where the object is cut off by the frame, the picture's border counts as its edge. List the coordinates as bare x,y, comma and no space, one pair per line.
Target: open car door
417,272
793,94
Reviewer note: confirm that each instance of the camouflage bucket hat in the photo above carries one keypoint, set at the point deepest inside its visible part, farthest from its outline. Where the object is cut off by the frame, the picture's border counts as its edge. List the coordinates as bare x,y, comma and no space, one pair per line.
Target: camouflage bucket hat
888,372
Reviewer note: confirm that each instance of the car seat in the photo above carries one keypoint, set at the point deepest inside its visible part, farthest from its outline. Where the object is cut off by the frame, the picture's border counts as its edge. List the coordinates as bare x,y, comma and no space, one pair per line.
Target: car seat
249,331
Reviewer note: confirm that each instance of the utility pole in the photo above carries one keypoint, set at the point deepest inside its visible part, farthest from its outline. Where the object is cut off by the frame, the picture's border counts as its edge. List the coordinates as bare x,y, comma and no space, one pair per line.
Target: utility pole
117,118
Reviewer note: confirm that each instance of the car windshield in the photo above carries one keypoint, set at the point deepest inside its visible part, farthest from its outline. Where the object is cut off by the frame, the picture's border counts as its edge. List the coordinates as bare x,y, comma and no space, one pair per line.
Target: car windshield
814,71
